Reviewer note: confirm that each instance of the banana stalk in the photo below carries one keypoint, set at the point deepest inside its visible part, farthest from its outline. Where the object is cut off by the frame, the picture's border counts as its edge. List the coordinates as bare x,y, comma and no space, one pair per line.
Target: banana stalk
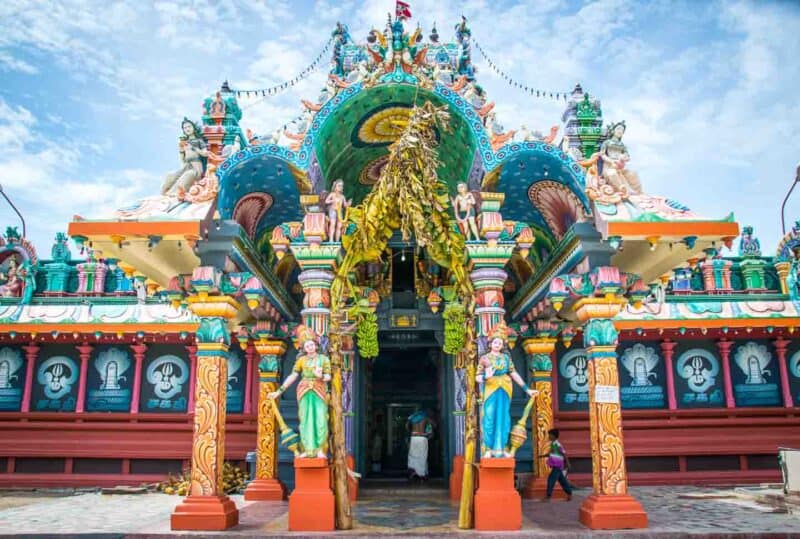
467,505
410,197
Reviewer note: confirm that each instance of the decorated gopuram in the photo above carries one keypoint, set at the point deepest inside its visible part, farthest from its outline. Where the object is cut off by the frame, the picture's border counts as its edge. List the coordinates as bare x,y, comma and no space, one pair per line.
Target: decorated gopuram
394,250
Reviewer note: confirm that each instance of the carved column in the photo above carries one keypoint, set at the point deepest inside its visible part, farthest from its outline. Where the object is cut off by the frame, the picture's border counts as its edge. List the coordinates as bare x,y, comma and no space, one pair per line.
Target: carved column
31,354
139,350
85,352
192,351
206,507
348,354
486,262
724,347
786,390
316,313
599,296
490,310
348,370
266,485
610,506
668,351
249,355
783,268
540,367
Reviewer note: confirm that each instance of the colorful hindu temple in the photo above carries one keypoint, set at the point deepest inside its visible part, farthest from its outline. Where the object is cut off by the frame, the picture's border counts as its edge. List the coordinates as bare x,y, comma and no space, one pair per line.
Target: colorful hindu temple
401,226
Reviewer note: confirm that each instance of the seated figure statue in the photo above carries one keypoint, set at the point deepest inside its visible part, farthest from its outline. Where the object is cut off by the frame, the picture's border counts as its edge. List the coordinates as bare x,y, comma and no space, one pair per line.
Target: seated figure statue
193,154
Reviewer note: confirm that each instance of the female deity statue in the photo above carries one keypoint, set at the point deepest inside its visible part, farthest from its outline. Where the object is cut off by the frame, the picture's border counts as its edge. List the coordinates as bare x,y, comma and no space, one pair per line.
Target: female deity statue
613,158
464,206
495,374
193,152
314,371
337,204
12,288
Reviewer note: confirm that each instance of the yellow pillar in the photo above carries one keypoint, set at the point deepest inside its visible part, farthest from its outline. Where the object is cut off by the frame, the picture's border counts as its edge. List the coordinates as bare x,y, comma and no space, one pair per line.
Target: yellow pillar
206,507
783,269
610,506
540,365
266,486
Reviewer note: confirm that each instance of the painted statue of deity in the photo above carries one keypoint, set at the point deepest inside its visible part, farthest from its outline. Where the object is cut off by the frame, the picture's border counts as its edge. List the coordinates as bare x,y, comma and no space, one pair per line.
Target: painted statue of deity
613,159
464,206
12,288
495,374
748,244
337,204
314,371
193,154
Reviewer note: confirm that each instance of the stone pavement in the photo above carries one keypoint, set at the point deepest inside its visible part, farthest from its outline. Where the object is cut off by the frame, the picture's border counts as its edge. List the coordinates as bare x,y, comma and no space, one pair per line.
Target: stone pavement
673,511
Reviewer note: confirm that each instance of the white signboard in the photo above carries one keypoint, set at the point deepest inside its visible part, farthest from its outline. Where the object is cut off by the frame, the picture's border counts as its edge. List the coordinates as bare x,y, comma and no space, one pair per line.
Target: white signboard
606,394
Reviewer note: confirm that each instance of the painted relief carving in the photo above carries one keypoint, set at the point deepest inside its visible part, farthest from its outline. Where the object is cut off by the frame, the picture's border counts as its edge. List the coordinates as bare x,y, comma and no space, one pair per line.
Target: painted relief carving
700,368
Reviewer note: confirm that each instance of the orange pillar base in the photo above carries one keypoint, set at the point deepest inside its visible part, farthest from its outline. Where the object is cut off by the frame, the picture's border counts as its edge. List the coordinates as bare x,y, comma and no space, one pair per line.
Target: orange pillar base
497,504
265,490
456,477
208,513
311,504
352,482
536,489
612,512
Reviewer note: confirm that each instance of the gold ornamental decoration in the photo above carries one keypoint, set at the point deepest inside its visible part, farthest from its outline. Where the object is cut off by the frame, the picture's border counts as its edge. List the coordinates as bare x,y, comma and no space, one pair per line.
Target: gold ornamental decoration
608,460
543,422
209,420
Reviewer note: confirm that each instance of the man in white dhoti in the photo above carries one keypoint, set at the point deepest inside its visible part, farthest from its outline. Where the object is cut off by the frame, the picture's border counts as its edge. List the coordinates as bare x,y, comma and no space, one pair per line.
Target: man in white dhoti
421,428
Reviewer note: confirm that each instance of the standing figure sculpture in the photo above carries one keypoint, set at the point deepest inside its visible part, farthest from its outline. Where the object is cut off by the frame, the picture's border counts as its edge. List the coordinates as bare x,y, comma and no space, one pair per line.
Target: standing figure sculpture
494,375
314,371
613,159
464,206
193,152
337,204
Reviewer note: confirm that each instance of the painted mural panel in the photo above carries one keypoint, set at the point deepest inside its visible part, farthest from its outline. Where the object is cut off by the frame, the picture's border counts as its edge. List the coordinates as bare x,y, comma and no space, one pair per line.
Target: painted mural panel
109,380
55,388
165,381
237,372
573,380
794,376
641,376
12,378
698,378
755,374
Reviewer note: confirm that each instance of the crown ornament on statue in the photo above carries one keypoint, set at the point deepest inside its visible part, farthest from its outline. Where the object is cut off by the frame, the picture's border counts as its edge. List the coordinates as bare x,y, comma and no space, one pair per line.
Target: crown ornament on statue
504,333
303,334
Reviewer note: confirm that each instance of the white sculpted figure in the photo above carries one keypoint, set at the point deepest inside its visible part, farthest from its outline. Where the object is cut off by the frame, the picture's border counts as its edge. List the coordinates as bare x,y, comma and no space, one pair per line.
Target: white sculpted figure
337,204
614,157
193,152
464,206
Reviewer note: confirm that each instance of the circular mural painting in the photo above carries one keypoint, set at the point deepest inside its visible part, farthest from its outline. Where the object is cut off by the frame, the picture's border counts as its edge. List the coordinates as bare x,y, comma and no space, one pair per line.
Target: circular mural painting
383,126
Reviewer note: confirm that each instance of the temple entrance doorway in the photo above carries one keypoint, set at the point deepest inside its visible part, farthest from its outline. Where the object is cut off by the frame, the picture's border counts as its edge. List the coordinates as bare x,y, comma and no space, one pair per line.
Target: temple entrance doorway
401,381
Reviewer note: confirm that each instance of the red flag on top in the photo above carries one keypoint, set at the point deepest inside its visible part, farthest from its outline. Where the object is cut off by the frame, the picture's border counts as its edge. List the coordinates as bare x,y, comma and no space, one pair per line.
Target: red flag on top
402,10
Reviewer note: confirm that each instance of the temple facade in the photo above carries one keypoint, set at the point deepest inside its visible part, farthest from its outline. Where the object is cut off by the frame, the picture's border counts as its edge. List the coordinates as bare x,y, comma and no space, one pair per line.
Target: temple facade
170,320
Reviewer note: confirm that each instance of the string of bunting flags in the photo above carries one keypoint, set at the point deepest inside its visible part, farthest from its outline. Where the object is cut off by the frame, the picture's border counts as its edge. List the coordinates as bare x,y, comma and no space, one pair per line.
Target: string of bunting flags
274,90
515,84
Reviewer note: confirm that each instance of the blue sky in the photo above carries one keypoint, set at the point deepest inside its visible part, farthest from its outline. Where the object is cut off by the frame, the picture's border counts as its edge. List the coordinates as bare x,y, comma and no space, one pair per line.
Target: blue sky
92,95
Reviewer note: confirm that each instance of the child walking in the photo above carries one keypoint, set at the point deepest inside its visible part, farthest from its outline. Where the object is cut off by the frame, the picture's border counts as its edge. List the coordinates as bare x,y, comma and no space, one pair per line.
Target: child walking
559,464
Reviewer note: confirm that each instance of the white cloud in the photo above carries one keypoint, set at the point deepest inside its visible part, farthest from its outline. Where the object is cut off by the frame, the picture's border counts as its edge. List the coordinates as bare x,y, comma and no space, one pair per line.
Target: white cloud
706,89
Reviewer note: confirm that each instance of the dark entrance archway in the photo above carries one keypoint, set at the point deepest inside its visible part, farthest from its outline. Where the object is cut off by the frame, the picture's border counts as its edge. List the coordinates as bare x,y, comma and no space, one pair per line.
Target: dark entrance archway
402,379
